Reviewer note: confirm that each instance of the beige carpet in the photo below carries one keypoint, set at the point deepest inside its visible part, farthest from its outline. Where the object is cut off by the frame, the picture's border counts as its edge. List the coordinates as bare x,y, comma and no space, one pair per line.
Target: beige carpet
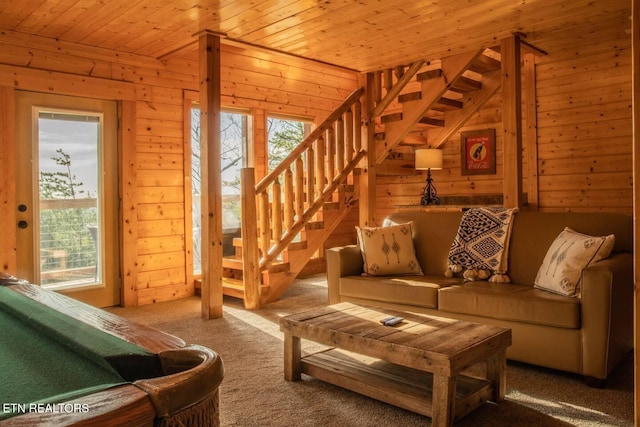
254,392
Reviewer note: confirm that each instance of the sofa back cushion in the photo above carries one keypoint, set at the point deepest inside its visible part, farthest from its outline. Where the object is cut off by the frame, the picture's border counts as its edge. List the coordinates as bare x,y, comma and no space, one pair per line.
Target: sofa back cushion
531,236
433,234
534,232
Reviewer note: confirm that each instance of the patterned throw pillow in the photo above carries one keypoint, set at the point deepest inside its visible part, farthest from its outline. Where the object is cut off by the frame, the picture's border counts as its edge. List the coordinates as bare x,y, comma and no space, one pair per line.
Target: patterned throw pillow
569,254
388,250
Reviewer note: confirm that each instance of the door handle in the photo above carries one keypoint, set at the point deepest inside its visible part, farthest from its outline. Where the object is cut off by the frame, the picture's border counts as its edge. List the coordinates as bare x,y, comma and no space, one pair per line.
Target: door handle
23,224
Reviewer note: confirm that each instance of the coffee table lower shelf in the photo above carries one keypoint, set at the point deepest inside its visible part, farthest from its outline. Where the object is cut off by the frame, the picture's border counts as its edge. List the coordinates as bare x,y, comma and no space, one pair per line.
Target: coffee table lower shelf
397,385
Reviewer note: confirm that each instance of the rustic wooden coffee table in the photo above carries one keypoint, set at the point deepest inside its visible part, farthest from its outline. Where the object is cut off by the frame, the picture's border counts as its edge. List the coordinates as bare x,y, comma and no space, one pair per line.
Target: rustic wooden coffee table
415,365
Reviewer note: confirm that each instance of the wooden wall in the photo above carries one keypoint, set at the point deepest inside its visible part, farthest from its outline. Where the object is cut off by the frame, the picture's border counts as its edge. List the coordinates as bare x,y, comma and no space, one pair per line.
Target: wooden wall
584,136
583,113
155,254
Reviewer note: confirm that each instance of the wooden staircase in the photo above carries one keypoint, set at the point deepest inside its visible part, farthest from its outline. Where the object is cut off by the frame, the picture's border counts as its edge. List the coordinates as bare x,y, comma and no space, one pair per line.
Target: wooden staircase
276,278
430,108
290,213
287,216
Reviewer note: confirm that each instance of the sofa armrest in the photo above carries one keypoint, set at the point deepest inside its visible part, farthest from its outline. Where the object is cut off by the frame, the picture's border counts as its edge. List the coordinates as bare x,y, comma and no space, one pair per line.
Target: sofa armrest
341,261
607,314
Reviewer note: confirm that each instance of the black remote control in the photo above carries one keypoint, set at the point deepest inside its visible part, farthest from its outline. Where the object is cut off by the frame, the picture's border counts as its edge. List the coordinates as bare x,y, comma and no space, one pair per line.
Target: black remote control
391,321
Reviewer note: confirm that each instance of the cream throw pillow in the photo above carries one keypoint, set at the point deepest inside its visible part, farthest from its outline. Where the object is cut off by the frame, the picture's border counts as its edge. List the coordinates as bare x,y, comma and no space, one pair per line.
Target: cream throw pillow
569,254
388,250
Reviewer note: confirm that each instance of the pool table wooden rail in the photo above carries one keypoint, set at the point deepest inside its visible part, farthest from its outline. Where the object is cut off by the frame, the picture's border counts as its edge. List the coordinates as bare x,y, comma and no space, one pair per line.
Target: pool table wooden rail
191,373
140,335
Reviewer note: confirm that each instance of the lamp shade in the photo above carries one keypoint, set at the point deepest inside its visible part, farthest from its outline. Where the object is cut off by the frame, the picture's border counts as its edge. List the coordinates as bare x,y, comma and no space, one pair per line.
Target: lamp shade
428,158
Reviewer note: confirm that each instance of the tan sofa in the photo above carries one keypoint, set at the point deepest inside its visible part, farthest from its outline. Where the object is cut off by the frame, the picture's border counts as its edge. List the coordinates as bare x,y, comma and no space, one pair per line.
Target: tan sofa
588,335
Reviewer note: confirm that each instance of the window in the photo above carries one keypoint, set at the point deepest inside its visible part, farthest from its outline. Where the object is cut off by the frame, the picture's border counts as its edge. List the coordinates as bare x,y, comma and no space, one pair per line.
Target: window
233,128
284,134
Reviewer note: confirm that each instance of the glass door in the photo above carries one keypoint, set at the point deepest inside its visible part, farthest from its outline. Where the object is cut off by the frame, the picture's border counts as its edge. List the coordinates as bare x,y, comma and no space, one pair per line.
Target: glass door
66,204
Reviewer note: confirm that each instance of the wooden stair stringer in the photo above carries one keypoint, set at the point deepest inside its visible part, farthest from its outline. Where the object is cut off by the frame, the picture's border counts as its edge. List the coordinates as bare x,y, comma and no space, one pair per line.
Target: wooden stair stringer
432,91
314,238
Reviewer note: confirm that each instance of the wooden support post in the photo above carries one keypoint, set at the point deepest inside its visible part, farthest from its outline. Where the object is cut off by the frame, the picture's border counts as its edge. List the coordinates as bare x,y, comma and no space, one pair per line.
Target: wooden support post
250,258
210,105
635,48
511,122
128,209
532,130
367,204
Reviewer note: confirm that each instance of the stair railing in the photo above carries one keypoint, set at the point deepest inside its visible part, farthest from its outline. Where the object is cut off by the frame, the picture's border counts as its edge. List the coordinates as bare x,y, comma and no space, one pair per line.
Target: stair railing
291,194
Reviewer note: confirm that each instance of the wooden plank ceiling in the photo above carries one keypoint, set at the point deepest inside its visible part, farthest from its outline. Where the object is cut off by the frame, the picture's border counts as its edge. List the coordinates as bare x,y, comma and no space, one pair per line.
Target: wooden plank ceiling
363,35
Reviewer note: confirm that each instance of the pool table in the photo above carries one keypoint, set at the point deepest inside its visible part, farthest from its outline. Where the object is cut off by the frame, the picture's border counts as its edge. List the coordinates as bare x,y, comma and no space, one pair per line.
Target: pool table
63,362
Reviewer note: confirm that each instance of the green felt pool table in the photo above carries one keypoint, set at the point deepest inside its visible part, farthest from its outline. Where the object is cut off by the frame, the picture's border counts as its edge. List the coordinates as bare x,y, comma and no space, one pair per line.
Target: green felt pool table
63,362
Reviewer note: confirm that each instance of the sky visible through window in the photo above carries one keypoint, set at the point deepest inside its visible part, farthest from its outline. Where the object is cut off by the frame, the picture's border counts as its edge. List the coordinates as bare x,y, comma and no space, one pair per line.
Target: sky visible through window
78,139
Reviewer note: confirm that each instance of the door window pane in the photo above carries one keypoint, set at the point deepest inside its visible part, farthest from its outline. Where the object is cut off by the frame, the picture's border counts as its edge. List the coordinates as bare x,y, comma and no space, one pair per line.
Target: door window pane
69,226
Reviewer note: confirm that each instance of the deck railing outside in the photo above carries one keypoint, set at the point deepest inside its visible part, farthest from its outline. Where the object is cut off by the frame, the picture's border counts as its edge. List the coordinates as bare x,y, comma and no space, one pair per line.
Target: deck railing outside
68,241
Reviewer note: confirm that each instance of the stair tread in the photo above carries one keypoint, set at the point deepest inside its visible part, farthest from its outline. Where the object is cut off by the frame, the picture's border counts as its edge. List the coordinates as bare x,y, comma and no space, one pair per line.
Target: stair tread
451,103
233,283
428,75
293,246
394,117
236,263
314,225
410,96
484,64
431,121
232,262
465,84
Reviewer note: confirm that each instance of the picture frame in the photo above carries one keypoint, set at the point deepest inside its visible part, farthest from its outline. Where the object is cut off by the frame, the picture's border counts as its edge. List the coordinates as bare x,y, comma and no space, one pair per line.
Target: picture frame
478,152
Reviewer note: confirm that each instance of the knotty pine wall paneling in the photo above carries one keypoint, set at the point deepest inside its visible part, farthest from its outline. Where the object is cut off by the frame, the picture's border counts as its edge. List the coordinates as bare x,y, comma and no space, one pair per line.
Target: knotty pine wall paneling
155,268
583,101
7,188
584,127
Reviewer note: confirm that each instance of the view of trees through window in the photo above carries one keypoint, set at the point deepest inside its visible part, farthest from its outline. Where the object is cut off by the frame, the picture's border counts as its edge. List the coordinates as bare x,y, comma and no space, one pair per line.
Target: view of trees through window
283,135
233,136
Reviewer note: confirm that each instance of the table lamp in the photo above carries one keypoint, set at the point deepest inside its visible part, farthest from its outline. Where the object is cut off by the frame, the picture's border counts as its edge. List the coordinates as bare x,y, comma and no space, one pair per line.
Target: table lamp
427,159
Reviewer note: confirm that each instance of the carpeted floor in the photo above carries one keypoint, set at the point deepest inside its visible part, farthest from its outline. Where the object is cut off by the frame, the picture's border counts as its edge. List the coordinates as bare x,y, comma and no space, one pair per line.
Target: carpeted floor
254,392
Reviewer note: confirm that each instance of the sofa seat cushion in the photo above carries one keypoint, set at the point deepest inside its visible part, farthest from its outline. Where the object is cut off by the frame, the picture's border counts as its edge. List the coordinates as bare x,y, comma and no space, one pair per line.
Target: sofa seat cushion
419,291
511,301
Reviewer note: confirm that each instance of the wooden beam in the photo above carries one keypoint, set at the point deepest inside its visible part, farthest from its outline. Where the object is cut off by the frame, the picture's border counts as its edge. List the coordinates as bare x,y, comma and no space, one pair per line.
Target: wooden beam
367,201
531,140
210,152
635,47
67,84
511,122
129,205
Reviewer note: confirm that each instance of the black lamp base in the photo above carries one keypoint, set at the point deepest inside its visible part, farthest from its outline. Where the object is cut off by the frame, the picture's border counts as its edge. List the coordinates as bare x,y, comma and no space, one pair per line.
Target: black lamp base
429,193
